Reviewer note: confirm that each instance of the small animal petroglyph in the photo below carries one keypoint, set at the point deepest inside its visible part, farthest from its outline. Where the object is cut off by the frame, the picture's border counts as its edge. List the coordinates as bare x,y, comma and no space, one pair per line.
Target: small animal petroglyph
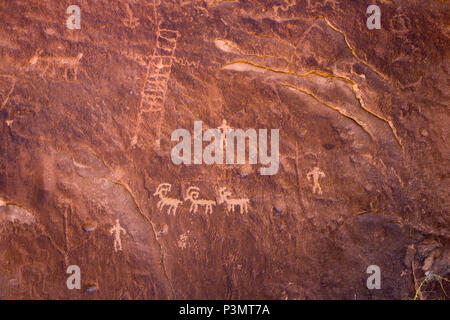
44,63
315,174
224,197
116,231
162,191
192,195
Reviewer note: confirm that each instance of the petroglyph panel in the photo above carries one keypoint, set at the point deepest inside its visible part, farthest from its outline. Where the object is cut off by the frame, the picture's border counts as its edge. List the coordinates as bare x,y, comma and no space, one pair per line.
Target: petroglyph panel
87,178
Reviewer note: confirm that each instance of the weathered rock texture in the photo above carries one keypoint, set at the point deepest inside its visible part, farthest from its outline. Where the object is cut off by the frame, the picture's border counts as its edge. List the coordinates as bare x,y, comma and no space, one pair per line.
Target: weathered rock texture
86,142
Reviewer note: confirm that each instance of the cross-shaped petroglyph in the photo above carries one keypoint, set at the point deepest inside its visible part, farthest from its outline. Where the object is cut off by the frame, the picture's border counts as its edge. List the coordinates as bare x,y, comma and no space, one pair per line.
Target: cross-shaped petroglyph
130,21
44,63
315,174
224,128
224,197
192,195
116,230
159,67
172,204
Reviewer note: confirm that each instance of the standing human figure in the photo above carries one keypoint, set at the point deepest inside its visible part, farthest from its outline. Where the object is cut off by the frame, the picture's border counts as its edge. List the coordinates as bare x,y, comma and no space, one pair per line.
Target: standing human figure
315,174
116,231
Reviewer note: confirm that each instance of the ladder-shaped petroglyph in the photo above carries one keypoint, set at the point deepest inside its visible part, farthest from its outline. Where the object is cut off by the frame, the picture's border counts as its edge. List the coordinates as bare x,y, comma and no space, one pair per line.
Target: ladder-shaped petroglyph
192,195
314,175
157,76
224,197
66,64
116,230
172,204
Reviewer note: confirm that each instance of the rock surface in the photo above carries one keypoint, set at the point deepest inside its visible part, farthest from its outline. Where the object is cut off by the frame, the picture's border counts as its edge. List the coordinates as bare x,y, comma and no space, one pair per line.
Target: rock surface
86,118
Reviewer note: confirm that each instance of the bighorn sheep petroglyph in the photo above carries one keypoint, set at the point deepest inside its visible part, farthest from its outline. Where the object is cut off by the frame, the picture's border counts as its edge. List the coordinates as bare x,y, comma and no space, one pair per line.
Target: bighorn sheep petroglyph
162,191
224,197
192,195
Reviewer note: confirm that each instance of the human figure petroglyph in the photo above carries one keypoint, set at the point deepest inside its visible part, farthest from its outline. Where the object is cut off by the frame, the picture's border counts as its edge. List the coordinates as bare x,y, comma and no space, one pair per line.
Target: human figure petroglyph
46,62
162,191
224,197
224,128
314,175
192,195
116,230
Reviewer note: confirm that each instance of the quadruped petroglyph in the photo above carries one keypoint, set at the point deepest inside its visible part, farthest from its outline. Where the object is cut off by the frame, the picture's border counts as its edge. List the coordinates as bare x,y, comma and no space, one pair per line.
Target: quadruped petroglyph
56,65
172,204
231,203
192,196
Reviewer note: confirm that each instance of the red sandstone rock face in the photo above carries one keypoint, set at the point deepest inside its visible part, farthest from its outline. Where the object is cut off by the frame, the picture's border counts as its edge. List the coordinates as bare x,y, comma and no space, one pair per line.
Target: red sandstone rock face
86,118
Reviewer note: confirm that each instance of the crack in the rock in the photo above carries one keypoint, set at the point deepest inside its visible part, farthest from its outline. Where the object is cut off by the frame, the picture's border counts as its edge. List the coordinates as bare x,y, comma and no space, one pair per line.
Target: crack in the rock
357,93
339,110
354,87
128,189
353,51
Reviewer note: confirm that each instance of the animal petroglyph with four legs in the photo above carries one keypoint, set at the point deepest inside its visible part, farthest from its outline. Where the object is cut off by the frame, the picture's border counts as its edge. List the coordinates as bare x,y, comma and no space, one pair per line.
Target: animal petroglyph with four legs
192,195
315,174
116,230
44,63
172,204
224,197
